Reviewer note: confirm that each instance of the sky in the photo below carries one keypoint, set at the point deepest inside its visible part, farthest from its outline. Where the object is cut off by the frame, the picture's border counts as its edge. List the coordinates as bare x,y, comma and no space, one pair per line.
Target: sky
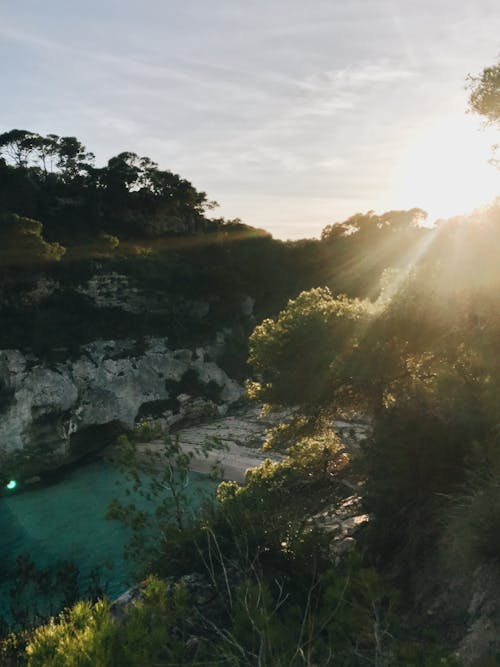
291,114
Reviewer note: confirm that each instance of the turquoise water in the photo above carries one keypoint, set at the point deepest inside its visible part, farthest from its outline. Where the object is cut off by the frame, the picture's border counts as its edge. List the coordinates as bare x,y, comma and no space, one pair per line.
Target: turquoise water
65,521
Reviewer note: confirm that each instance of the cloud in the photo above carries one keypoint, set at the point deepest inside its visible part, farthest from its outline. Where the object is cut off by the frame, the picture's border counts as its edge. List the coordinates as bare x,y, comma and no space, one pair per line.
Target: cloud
261,103
28,39
355,76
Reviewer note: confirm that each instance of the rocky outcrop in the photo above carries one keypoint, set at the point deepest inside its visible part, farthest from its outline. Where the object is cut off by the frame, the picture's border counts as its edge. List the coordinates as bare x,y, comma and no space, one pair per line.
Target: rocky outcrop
52,414
113,290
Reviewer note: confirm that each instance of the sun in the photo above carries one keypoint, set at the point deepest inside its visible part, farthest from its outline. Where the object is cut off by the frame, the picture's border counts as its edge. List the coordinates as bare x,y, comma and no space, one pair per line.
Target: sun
445,169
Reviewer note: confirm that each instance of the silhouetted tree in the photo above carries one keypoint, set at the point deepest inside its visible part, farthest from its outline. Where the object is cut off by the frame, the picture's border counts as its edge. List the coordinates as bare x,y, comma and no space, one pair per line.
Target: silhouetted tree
485,94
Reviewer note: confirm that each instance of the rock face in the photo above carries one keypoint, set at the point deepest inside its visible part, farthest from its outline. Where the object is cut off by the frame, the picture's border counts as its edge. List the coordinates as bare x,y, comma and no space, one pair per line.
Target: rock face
50,415
115,290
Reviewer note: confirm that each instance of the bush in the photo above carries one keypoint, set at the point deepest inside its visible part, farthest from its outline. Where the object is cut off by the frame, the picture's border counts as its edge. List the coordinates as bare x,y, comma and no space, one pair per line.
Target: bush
89,635
22,243
298,355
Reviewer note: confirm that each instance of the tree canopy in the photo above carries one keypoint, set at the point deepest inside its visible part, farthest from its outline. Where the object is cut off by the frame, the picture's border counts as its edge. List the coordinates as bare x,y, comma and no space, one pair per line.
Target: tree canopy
485,94
54,179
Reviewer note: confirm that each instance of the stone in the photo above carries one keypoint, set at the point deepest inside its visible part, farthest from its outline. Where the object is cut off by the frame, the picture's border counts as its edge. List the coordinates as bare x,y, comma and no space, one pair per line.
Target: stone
32,480
247,306
44,408
344,546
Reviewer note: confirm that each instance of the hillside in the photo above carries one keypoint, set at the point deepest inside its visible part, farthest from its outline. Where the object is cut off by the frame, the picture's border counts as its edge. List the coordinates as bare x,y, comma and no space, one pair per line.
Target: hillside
127,313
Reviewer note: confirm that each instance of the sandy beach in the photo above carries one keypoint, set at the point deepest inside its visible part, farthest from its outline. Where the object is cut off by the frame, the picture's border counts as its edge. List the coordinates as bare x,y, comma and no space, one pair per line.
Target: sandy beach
232,463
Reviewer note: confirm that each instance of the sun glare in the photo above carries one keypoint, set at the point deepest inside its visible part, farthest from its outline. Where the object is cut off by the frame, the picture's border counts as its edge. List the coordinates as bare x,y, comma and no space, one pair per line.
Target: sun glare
446,170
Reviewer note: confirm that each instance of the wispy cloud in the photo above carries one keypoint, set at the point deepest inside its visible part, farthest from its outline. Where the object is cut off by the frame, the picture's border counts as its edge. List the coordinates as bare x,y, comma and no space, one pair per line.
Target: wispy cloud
27,38
259,103
355,76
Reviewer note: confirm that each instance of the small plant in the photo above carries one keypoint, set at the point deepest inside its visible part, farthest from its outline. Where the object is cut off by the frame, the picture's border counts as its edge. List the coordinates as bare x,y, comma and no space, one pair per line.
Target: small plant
160,475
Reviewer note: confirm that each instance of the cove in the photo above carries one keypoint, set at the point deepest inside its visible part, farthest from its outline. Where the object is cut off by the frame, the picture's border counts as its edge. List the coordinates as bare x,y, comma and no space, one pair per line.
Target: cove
65,521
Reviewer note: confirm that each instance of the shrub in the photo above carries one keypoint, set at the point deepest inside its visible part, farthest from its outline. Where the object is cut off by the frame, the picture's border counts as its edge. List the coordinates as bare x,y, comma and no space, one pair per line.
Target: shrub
21,242
89,635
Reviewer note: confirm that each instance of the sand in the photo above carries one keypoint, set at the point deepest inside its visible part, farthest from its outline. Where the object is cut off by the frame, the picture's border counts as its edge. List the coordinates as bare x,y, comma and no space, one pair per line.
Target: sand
231,464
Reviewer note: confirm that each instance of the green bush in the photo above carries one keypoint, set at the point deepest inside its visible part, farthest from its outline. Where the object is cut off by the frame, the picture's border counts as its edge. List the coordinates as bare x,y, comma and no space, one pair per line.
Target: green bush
89,635
22,243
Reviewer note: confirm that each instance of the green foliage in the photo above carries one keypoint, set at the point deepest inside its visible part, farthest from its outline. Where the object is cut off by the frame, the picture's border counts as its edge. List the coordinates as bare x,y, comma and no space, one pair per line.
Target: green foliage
13,649
373,225
151,225
89,635
485,93
160,474
322,618
299,484
21,242
332,618
294,353
420,359
77,638
268,518
129,196
421,362
484,99
280,599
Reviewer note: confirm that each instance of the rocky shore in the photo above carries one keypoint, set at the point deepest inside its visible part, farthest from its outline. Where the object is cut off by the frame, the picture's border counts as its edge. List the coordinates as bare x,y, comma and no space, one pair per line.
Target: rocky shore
53,414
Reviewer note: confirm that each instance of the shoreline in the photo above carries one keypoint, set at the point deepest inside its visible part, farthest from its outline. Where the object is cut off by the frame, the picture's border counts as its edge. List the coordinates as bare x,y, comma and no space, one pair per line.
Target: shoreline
232,463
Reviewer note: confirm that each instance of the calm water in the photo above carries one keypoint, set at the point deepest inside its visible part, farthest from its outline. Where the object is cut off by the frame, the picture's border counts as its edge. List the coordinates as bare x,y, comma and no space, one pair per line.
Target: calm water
66,522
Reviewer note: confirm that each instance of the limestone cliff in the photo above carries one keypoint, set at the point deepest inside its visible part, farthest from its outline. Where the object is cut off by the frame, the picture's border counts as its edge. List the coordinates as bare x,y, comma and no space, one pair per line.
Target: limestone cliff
51,414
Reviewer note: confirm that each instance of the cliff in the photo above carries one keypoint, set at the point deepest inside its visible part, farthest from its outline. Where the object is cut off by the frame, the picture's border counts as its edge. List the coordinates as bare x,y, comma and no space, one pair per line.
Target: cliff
53,414
67,391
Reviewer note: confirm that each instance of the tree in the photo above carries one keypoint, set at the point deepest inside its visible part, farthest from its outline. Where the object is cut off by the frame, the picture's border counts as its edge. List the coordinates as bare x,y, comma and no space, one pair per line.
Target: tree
371,223
161,477
46,150
485,94
53,179
484,99
298,356
18,145
73,158
25,149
